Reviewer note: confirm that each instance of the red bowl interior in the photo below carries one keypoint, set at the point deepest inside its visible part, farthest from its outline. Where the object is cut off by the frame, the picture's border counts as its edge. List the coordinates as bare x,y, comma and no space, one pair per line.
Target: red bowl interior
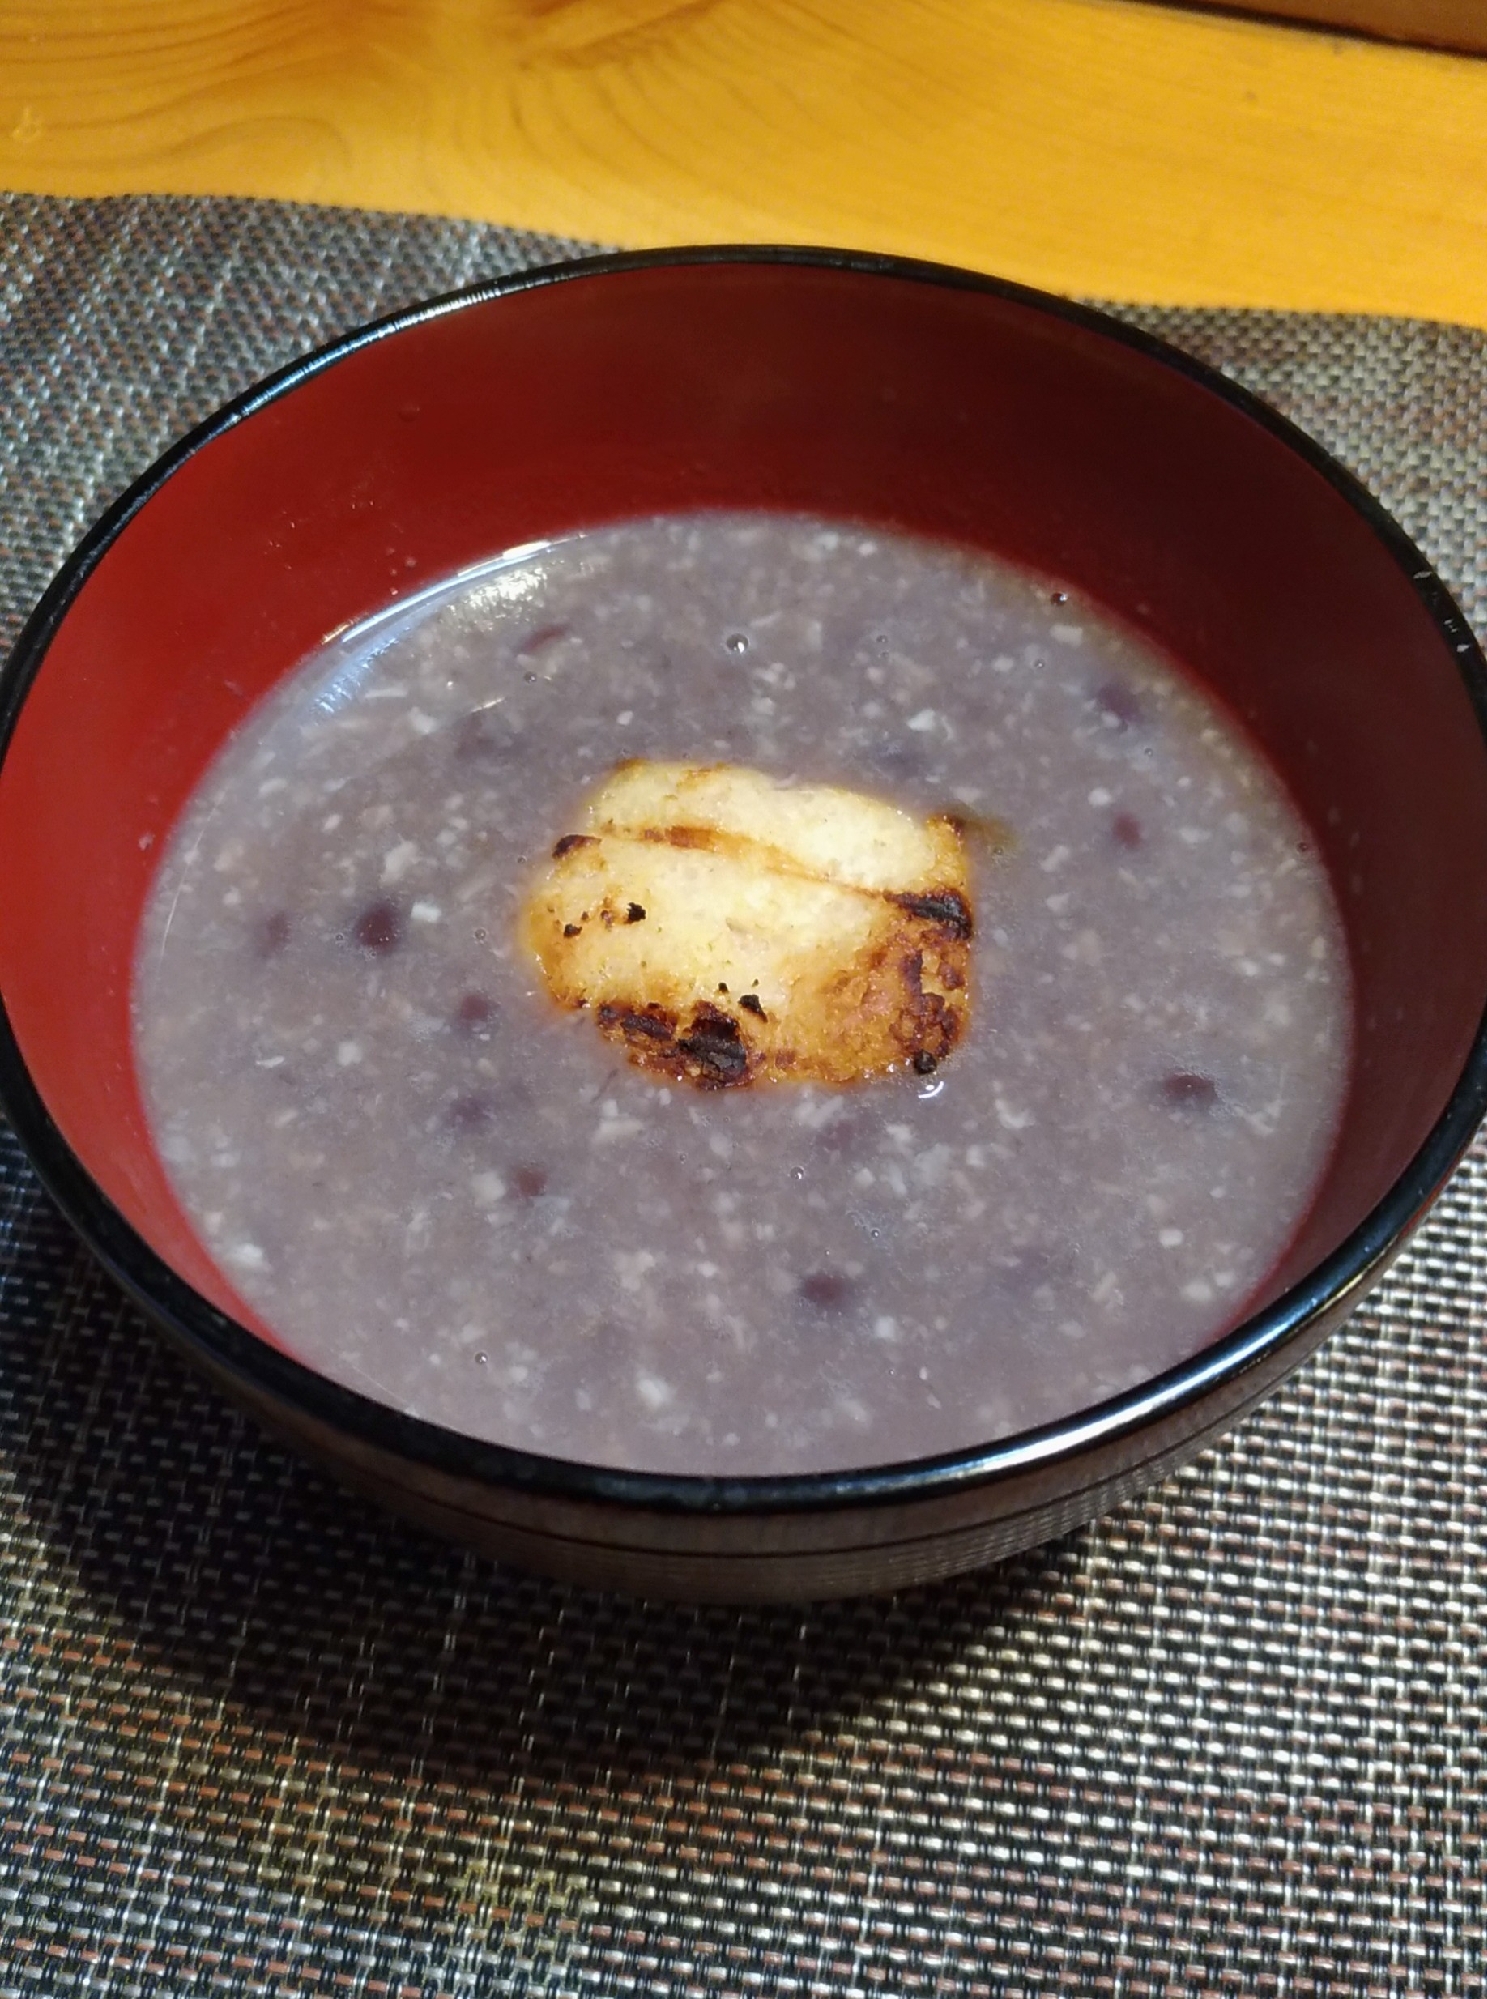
946,408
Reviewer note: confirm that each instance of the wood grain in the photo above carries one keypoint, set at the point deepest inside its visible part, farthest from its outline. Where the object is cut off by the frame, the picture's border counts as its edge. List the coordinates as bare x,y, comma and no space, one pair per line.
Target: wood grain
1098,146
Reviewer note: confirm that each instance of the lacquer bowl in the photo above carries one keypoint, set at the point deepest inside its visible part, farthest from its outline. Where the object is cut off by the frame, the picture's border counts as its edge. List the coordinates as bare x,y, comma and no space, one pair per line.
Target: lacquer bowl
931,399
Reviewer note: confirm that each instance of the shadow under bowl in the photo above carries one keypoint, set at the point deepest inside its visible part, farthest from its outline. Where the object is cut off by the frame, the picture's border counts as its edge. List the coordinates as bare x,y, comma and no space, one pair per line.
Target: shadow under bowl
909,395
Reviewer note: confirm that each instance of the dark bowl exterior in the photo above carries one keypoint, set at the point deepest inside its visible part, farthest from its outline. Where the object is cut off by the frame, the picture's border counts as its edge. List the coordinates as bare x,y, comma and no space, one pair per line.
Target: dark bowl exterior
908,394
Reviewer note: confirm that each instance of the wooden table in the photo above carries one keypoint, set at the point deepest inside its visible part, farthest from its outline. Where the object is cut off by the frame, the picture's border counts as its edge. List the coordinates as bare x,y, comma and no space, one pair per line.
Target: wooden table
1103,147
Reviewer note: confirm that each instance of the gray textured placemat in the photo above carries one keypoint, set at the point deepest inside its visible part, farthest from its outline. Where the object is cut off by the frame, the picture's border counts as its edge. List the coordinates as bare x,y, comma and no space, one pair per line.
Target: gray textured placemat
1227,1742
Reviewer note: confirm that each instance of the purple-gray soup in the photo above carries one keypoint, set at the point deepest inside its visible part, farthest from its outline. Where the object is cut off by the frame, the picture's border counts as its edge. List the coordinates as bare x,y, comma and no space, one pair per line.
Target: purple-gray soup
443,1191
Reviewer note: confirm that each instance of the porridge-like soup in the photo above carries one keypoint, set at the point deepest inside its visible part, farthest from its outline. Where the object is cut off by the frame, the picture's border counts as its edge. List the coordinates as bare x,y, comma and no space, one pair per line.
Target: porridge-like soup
450,1193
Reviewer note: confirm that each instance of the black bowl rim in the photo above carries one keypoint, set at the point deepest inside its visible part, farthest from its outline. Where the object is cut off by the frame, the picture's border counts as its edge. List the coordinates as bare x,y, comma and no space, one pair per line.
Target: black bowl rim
225,1345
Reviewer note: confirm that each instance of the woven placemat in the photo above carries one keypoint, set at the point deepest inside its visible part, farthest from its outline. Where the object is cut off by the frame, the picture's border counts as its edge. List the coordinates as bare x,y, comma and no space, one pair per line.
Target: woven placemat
256,1740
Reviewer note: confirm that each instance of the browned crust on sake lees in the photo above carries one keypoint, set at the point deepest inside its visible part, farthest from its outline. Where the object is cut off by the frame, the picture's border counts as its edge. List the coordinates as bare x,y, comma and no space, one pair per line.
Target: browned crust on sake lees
726,929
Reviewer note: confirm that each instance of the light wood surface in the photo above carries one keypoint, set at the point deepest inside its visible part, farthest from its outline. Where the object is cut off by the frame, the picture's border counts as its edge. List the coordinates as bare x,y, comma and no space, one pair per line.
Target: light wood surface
1103,147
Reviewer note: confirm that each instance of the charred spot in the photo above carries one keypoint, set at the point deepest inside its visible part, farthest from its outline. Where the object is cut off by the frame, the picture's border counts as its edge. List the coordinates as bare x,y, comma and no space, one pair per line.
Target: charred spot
272,934
714,1044
924,1063
530,1181
572,929
644,1024
635,912
469,1113
1126,830
476,1010
947,908
569,841
826,1290
540,639
927,1026
752,1003
379,928
1188,1090
1118,703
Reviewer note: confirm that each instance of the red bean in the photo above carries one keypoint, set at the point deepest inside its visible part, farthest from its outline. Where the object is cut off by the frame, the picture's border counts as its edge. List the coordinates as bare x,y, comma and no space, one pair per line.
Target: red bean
1186,1090
1119,704
827,1290
379,928
273,934
475,1011
470,1113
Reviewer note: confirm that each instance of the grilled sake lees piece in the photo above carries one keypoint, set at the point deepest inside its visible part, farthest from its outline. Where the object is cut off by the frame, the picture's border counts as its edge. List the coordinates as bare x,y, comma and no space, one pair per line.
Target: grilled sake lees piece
729,928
